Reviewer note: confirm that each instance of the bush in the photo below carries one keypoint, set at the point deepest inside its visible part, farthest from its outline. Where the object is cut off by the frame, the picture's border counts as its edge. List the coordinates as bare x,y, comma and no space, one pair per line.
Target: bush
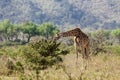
99,40
116,33
42,54
113,49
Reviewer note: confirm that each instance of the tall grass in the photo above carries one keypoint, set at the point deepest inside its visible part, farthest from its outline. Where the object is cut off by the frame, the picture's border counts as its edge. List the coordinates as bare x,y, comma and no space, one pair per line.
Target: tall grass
100,67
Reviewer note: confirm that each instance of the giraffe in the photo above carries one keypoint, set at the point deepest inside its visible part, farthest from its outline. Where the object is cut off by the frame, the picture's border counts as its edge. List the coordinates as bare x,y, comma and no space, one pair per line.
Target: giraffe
81,41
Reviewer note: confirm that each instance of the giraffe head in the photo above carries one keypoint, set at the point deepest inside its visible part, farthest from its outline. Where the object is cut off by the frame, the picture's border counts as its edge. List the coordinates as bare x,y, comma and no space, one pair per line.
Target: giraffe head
56,37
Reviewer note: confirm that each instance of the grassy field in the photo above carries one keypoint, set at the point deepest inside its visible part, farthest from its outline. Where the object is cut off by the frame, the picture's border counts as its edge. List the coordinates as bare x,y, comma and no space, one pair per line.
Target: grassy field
100,67
104,66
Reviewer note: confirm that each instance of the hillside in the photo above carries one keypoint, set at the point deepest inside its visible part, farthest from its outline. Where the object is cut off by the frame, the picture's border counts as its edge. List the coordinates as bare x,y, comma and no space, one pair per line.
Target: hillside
87,13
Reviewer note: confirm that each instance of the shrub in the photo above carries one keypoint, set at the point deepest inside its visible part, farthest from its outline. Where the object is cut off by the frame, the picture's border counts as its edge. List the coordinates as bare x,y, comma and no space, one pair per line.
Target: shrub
116,33
42,54
98,40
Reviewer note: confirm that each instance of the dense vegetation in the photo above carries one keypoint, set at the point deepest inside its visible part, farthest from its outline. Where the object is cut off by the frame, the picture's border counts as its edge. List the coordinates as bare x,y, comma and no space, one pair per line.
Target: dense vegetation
24,31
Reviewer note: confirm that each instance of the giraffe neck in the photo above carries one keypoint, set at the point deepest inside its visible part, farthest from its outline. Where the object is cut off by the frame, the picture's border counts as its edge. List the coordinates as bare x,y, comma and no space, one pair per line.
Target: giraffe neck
74,32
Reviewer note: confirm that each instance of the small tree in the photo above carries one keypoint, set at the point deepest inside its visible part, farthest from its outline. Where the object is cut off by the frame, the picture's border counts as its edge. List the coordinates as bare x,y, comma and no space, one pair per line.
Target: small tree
43,54
30,29
8,30
48,30
4,28
16,31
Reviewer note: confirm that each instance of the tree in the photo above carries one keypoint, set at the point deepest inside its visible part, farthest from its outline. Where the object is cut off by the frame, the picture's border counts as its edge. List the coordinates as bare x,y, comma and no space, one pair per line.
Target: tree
30,29
16,31
4,28
13,31
48,30
42,54
116,33
9,31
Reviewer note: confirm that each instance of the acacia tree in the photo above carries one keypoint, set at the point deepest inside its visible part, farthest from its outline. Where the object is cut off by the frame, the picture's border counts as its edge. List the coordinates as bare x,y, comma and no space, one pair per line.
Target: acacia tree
6,29
9,31
48,30
16,31
30,29
13,32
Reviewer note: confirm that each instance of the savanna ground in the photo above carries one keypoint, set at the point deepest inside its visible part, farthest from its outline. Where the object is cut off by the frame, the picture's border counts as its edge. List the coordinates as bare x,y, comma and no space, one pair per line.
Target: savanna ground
103,66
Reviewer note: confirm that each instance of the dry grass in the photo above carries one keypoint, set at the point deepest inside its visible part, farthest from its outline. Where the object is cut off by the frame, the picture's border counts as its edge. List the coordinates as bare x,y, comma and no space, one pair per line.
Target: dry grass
100,67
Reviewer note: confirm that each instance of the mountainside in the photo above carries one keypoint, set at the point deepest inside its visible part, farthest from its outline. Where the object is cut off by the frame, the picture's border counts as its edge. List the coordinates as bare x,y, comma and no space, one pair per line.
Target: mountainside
84,13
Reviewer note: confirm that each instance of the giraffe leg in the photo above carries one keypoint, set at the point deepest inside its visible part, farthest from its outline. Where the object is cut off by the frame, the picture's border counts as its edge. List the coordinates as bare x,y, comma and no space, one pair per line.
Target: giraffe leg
76,48
88,51
84,59
83,53
87,58
76,51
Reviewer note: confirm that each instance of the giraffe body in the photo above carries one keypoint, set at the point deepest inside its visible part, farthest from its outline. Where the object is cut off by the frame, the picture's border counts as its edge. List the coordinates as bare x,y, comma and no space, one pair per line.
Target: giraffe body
81,41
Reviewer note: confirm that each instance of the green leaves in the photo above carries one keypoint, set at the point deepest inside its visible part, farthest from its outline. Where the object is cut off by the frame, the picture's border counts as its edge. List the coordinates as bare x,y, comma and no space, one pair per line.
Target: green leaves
30,28
8,30
18,32
43,53
48,30
116,32
45,47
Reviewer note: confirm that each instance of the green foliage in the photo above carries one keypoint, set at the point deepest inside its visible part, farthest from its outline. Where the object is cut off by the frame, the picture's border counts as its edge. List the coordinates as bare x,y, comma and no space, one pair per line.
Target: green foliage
14,67
116,33
48,30
9,51
8,30
102,33
19,67
19,32
11,43
10,66
43,53
113,49
30,29
4,25
117,50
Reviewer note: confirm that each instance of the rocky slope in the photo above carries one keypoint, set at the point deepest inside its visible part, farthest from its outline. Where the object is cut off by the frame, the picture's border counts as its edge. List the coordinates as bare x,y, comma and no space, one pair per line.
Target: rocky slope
84,13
